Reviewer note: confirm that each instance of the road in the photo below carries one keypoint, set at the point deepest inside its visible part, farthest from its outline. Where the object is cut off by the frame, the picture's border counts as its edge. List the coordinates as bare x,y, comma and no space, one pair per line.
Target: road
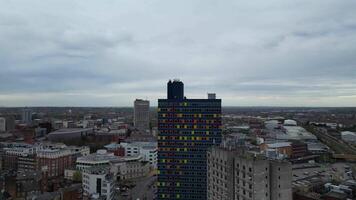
144,189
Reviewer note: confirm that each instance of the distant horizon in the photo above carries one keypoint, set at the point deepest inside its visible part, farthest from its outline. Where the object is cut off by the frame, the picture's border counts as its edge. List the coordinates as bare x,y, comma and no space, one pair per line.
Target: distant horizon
200,95
156,106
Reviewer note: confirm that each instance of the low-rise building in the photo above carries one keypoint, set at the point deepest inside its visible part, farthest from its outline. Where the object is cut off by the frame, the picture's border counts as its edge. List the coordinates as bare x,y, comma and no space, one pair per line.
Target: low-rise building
147,150
68,134
117,149
72,192
348,136
100,158
28,182
44,156
284,148
98,182
299,149
19,158
132,167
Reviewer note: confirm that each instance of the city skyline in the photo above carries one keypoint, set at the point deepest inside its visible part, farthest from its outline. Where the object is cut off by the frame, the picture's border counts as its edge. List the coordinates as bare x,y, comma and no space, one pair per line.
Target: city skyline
178,100
280,53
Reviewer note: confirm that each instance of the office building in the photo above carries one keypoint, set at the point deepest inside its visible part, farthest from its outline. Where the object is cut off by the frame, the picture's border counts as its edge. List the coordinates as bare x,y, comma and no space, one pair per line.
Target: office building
2,124
10,123
27,162
187,127
142,114
52,158
98,183
236,174
54,161
27,116
16,157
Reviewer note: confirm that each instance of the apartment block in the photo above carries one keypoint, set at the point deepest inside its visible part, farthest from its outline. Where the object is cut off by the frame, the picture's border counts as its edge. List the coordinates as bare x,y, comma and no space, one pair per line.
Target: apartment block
237,174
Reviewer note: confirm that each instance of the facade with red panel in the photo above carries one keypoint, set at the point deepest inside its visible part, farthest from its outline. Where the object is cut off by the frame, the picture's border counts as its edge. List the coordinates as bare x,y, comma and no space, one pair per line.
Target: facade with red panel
54,161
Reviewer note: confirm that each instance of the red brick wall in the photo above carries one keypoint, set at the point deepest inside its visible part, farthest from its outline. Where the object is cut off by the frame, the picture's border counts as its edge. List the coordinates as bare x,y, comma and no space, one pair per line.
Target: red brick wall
56,166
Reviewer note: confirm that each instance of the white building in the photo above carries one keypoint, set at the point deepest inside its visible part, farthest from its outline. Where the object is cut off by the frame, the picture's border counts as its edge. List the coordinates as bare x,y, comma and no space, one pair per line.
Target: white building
82,150
58,124
290,122
98,182
69,124
348,136
2,124
295,133
19,151
147,150
100,158
142,114
132,167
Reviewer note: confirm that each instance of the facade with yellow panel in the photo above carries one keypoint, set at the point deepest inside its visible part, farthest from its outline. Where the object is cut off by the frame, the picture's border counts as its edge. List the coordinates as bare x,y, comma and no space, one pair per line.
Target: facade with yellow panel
187,128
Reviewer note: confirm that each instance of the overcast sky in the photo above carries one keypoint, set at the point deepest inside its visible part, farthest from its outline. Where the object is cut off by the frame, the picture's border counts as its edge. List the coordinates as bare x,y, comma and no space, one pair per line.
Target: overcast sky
107,53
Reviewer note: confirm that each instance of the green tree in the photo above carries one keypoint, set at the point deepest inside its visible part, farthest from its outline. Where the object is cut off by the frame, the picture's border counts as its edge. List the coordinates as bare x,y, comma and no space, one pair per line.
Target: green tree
77,176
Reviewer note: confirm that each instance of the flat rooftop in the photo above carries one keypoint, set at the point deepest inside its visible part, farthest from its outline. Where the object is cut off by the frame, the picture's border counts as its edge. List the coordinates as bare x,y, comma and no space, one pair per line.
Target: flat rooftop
295,133
71,130
106,157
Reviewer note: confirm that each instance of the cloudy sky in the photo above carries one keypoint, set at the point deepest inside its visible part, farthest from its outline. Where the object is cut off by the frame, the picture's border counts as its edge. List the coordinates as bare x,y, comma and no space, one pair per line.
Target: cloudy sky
107,53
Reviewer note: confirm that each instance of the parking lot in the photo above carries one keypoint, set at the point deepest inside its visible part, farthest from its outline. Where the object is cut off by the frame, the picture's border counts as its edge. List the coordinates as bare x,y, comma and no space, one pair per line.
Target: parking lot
336,171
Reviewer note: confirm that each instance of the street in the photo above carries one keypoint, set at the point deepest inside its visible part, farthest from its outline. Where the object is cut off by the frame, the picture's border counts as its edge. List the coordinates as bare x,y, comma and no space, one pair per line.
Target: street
144,189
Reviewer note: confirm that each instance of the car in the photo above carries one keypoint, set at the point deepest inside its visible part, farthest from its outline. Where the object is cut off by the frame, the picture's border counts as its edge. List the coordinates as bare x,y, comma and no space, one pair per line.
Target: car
124,194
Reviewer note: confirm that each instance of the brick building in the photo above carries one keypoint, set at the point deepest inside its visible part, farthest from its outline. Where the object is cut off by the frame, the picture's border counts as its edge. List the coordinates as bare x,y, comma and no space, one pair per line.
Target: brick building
55,161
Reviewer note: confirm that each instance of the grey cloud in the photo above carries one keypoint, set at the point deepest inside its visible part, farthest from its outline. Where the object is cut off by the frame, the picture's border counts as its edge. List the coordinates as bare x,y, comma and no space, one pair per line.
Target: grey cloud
276,52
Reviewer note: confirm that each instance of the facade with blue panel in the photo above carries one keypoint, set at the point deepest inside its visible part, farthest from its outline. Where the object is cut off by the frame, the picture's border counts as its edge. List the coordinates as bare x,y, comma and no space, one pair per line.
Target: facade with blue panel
175,89
187,128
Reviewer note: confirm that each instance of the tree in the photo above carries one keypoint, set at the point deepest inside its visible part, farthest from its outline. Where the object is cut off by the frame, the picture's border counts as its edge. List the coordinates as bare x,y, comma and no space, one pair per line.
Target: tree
77,176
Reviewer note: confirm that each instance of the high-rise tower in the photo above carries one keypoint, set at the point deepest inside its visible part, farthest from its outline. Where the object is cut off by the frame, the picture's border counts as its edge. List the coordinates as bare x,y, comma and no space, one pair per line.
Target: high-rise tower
27,115
175,89
187,127
142,114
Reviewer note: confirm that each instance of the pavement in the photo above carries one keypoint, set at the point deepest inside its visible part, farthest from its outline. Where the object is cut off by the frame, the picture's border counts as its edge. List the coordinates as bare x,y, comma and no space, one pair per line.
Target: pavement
144,189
